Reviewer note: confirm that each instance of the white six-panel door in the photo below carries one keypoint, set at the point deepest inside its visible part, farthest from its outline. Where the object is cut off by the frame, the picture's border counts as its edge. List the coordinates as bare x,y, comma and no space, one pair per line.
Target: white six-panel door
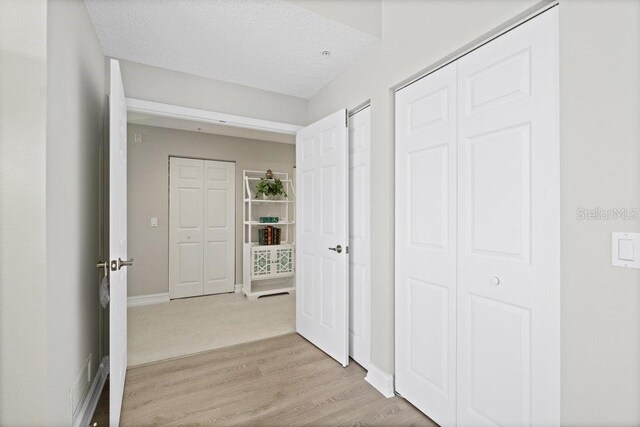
322,222
509,230
478,286
219,226
360,238
201,227
425,305
117,242
186,227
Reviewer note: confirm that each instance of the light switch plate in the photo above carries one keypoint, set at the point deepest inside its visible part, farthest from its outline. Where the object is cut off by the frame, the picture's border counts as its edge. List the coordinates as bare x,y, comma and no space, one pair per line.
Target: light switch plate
625,249
154,222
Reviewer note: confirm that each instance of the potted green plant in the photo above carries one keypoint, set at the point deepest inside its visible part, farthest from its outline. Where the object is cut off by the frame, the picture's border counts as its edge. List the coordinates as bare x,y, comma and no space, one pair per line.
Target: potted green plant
270,188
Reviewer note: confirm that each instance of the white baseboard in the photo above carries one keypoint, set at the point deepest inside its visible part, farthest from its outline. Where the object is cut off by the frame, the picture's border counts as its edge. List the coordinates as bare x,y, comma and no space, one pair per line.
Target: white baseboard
147,299
90,401
238,288
380,380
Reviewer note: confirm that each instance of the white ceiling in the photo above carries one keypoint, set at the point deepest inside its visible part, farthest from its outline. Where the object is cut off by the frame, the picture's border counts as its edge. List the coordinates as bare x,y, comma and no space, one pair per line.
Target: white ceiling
267,44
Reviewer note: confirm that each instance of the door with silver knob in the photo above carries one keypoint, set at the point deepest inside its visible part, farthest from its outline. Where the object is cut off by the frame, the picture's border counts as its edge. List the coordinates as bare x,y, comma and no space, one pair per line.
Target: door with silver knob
117,242
322,220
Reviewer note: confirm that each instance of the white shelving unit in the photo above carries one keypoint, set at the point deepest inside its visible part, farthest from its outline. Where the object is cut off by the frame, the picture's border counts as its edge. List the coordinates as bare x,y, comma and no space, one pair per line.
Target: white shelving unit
268,270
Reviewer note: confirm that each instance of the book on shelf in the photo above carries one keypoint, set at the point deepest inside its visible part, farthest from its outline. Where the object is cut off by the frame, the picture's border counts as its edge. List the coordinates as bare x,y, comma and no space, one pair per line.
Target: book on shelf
269,235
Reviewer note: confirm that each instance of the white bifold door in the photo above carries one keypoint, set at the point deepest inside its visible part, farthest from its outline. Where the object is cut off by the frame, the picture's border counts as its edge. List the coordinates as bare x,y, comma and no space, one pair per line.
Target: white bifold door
201,227
478,235
426,245
117,242
322,235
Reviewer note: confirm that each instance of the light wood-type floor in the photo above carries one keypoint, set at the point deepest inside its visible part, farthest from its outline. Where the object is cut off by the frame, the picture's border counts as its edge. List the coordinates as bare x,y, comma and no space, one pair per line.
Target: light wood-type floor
274,382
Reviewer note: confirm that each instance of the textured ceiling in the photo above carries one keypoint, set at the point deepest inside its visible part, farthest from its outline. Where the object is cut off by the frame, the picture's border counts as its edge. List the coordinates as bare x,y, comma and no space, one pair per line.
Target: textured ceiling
267,44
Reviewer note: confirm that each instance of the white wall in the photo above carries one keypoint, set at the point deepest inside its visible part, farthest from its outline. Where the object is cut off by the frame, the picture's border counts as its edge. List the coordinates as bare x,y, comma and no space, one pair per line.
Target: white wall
600,167
75,108
23,90
186,90
600,159
149,188
52,98
415,35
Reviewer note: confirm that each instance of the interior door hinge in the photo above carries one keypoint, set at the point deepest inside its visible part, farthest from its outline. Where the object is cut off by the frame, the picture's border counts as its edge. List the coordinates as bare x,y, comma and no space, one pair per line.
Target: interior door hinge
347,249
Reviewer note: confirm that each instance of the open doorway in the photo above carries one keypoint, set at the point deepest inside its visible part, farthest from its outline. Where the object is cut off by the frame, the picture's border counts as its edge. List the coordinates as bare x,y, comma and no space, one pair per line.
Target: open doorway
155,143
185,211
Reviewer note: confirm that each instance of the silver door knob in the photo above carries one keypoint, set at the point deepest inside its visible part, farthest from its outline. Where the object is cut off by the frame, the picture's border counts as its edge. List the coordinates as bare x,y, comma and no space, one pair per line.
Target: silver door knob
104,265
337,249
124,263
495,281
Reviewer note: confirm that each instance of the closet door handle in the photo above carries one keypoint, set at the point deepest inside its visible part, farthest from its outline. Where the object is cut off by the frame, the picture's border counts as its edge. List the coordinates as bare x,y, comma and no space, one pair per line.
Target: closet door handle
337,249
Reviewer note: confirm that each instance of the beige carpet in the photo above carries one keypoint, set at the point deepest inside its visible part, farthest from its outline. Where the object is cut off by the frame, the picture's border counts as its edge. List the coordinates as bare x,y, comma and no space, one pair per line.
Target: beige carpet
192,325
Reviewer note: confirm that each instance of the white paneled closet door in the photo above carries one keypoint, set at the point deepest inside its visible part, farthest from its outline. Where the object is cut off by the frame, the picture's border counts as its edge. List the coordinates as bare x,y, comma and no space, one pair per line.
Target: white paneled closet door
186,227
219,226
478,285
201,227
425,302
509,230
